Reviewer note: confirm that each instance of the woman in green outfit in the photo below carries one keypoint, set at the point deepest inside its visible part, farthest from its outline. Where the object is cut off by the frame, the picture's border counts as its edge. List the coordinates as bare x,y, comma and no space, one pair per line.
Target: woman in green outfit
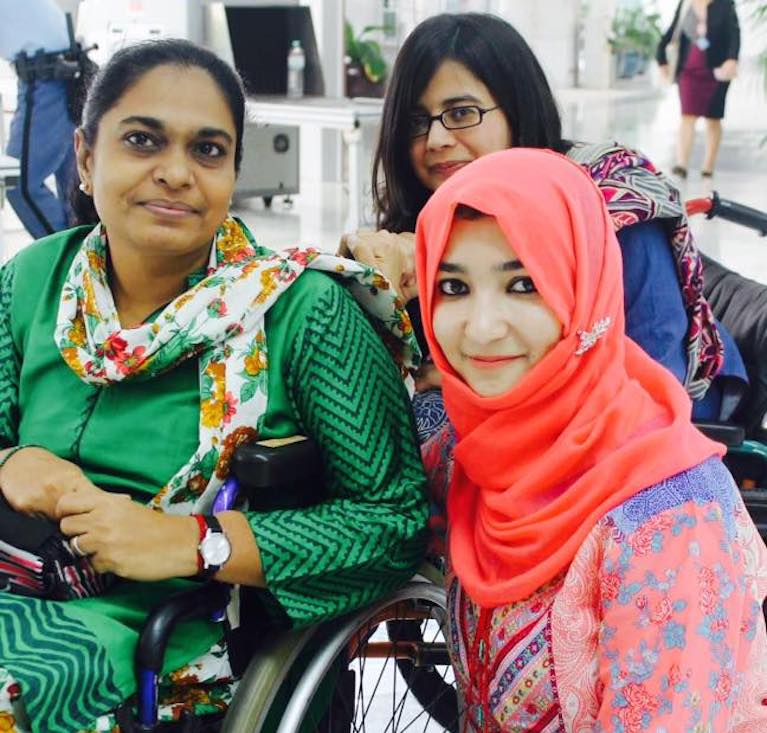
133,360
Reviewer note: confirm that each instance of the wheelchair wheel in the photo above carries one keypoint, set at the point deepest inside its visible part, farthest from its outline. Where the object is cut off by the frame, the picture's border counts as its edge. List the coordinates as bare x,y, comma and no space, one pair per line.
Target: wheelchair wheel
356,683
426,682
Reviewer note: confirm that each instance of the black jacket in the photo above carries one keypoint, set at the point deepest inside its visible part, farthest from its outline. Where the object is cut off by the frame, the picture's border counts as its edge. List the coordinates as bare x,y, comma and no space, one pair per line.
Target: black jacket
741,305
723,34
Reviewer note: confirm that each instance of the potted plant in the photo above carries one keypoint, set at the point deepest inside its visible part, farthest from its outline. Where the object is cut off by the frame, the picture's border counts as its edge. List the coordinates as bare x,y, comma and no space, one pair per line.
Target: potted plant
365,65
634,38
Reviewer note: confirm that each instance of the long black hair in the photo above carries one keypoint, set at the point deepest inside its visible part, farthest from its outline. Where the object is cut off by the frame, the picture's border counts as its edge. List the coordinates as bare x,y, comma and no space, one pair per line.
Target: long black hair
126,68
492,50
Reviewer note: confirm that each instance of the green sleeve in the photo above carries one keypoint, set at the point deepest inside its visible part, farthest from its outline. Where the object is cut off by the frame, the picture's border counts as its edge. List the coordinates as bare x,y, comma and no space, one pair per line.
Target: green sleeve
369,536
9,363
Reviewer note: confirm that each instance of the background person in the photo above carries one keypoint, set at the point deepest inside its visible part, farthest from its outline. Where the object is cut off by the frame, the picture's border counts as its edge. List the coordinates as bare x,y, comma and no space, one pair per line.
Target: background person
30,27
465,85
603,571
709,43
137,354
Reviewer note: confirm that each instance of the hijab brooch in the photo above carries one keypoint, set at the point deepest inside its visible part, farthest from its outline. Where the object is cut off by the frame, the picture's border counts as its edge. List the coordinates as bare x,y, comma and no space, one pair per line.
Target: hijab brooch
588,339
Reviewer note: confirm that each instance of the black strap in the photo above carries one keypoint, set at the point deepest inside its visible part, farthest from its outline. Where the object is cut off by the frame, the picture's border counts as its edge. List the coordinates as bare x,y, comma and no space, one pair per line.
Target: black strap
24,531
213,526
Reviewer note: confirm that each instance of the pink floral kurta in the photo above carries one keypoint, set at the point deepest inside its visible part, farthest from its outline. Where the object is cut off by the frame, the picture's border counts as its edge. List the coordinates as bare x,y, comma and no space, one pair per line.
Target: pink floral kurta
656,626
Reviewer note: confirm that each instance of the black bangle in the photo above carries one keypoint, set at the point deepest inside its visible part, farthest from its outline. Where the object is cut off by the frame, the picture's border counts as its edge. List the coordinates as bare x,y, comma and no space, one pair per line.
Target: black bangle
13,451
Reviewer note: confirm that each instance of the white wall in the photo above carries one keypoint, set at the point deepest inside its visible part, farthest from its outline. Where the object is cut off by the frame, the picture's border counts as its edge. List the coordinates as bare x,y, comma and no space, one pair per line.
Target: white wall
597,55
549,27
321,151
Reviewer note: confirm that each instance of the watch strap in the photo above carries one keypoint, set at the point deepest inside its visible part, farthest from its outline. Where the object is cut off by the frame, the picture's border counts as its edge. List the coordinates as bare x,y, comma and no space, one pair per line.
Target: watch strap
206,523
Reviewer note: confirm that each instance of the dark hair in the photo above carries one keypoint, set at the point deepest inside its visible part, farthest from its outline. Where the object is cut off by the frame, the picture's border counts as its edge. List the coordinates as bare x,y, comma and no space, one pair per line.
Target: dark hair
498,56
126,68
464,212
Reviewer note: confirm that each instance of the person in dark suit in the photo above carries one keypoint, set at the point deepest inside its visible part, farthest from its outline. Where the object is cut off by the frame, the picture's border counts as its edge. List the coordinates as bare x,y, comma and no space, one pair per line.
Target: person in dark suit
709,43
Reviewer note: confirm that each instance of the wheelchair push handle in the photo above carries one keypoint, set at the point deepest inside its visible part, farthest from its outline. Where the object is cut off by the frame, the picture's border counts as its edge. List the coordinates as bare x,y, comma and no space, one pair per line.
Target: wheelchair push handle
270,474
199,602
715,206
150,652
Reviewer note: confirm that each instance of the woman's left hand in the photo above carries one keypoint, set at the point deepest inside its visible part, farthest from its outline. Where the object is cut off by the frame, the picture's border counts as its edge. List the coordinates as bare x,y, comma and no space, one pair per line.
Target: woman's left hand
393,255
727,71
129,539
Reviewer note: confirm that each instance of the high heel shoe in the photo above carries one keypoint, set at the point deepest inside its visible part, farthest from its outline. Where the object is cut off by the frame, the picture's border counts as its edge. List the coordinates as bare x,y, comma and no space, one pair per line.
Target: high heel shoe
679,171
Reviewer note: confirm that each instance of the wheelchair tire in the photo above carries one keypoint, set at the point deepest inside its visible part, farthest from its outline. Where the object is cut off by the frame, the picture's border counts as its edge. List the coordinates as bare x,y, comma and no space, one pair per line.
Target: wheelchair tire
262,680
360,645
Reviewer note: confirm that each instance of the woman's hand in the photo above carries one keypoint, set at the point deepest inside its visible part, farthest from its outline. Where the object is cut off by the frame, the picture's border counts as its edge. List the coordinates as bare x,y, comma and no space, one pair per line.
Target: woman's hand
428,377
727,71
129,539
34,479
665,72
391,254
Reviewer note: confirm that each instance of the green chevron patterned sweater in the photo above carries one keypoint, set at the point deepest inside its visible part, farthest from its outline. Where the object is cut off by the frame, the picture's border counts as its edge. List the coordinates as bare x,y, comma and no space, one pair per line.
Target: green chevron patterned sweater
329,377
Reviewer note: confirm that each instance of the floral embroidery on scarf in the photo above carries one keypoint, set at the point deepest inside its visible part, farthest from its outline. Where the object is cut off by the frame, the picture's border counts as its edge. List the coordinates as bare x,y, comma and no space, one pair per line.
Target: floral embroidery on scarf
657,624
220,321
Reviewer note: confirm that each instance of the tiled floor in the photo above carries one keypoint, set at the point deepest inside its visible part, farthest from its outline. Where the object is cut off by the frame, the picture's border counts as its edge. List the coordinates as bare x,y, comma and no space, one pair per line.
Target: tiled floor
638,116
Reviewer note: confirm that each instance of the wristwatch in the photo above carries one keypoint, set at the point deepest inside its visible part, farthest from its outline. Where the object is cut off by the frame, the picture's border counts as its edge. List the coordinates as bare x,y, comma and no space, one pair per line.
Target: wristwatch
214,548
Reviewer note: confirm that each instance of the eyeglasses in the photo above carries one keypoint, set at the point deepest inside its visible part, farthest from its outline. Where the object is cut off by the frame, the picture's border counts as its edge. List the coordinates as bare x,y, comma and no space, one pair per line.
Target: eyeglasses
455,118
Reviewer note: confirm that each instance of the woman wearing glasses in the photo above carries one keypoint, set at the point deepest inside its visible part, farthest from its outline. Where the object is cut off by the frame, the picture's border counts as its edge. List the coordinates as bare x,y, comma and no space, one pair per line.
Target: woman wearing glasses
465,85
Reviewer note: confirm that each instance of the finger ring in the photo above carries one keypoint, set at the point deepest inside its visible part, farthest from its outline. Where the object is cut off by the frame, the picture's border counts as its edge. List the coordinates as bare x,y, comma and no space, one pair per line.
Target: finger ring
75,546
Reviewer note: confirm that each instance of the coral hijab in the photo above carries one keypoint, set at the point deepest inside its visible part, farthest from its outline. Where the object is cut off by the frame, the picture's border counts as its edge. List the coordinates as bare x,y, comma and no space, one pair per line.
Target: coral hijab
538,466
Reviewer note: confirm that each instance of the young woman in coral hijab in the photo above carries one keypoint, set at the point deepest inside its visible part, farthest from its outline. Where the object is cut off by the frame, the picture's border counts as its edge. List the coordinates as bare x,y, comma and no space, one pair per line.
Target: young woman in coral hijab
604,574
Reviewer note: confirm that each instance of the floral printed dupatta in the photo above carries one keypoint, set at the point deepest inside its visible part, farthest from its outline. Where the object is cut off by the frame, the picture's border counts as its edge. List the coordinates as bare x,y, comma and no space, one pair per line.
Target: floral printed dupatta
220,320
635,192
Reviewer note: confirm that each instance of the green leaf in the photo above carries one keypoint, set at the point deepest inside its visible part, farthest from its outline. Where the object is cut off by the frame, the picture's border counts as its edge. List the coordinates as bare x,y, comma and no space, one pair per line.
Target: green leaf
372,61
371,29
366,53
249,390
349,41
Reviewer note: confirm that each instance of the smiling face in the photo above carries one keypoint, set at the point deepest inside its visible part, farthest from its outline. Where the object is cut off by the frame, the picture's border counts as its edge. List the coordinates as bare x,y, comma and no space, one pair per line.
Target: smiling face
161,170
489,320
440,153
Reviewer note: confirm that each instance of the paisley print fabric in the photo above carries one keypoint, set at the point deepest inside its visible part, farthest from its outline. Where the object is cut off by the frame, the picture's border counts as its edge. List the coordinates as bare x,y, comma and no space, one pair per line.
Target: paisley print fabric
657,625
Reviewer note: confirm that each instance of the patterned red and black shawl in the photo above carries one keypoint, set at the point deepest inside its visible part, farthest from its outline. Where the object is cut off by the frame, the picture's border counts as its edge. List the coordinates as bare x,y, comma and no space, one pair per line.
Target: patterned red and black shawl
635,191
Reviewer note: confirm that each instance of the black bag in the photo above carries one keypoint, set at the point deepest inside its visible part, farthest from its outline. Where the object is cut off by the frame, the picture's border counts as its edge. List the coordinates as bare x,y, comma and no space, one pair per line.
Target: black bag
36,560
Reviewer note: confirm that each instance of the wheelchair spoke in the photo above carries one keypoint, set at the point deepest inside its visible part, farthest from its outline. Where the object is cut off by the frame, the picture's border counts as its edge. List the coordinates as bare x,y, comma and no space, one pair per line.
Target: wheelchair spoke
384,664
402,709
391,672
361,663
423,712
393,698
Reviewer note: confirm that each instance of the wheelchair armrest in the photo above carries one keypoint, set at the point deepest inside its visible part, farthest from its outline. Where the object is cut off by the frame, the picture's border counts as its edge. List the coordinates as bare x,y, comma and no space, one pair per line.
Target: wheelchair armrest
198,602
279,474
756,504
730,435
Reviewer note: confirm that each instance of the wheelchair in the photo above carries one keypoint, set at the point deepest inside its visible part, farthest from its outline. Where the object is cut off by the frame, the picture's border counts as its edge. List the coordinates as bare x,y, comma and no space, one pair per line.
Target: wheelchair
383,667
730,296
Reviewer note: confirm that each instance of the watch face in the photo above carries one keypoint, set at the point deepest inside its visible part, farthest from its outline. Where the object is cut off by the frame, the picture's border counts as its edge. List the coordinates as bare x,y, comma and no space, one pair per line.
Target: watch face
215,549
